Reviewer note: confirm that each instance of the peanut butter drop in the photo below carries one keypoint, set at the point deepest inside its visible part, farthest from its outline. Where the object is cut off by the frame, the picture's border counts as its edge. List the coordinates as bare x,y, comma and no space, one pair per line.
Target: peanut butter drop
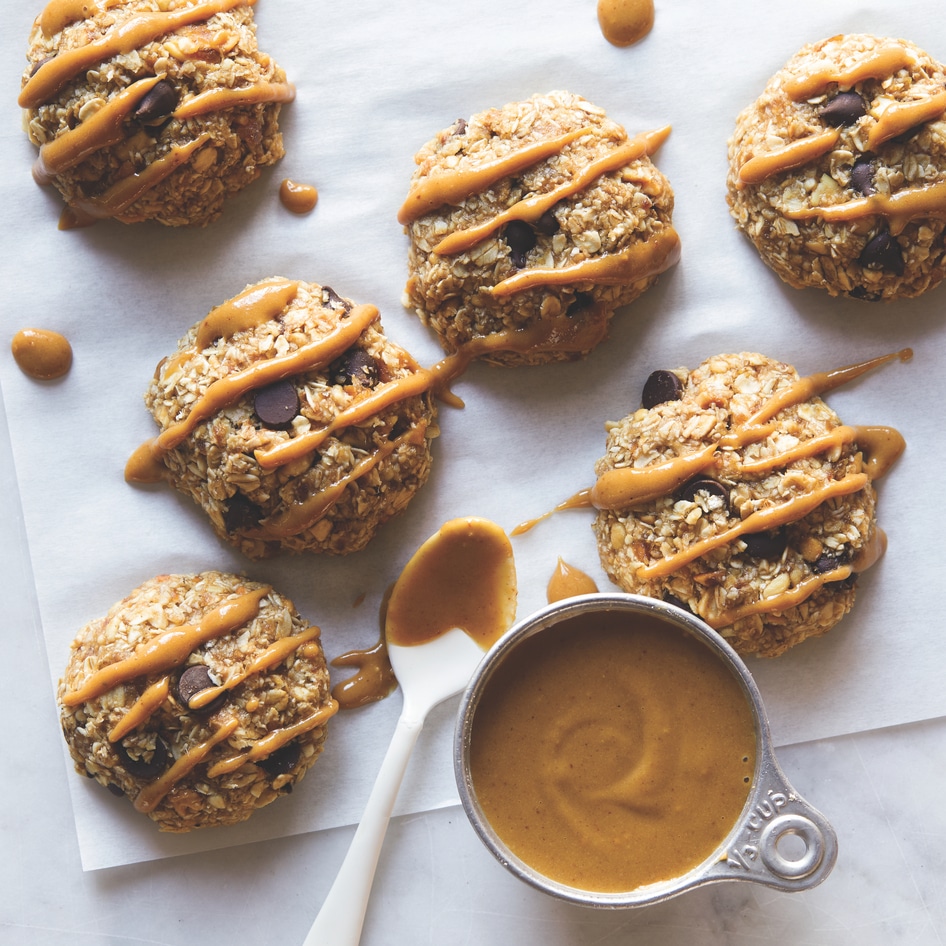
41,353
298,198
625,22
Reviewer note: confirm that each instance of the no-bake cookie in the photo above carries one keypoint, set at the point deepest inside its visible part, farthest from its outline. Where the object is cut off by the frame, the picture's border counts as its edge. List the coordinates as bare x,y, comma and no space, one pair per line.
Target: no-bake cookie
289,416
530,224
199,697
736,492
838,170
150,110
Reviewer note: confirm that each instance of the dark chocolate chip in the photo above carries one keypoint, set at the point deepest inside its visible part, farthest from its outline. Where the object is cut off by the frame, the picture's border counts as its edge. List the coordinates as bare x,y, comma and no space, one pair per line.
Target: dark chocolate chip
864,294
661,386
144,765
333,299
768,545
195,680
157,104
844,109
580,303
241,514
826,562
39,64
883,252
547,224
862,176
703,484
459,127
282,761
521,238
116,790
355,366
277,404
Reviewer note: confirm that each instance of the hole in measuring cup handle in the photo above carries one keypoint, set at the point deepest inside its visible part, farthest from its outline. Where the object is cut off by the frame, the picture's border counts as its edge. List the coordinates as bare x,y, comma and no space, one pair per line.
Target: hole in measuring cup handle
811,836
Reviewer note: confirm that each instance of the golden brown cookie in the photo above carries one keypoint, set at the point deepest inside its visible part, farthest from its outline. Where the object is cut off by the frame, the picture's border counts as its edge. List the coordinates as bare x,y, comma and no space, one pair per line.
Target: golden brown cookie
838,170
530,224
199,697
736,492
147,110
289,416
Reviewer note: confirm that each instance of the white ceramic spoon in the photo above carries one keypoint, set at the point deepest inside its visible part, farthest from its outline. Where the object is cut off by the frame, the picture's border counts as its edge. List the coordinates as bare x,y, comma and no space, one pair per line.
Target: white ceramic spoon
428,674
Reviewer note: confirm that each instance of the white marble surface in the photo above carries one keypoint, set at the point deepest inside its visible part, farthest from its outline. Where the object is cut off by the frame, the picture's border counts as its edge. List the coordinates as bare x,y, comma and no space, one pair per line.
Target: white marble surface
436,883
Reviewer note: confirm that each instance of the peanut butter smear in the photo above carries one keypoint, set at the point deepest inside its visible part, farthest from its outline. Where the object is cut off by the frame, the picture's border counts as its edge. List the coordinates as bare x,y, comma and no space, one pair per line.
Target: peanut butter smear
625,22
463,576
41,353
567,582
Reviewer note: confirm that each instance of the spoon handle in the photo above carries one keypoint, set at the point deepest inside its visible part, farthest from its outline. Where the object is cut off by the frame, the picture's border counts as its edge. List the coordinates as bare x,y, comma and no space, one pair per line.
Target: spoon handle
342,915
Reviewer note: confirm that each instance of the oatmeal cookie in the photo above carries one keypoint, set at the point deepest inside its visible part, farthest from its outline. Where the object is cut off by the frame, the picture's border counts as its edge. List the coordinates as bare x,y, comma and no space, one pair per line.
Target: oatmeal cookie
150,110
199,697
289,416
530,224
736,492
837,171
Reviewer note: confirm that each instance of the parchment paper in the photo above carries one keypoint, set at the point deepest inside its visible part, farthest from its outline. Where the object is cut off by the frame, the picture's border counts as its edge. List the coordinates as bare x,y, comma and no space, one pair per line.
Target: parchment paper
375,80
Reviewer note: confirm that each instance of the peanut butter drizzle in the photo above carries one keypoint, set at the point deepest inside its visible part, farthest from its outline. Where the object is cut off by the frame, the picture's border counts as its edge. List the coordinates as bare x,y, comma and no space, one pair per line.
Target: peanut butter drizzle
625,22
903,116
137,31
250,308
370,404
215,100
899,209
453,187
298,198
793,155
41,353
374,680
171,648
144,465
568,581
638,261
141,710
104,128
274,740
59,14
878,65
119,197
782,601
765,520
581,500
274,654
302,515
531,208
150,796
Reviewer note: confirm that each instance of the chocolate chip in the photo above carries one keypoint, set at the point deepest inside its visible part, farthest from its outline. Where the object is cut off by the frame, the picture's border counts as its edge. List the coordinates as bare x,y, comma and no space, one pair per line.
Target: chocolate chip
521,238
883,252
768,545
674,600
661,386
703,484
547,224
39,64
579,304
864,294
459,127
282,761
157,104
116,790
333,299
277,404
862,176
844,109
826,562
241,514
195,680
355,366
143,764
